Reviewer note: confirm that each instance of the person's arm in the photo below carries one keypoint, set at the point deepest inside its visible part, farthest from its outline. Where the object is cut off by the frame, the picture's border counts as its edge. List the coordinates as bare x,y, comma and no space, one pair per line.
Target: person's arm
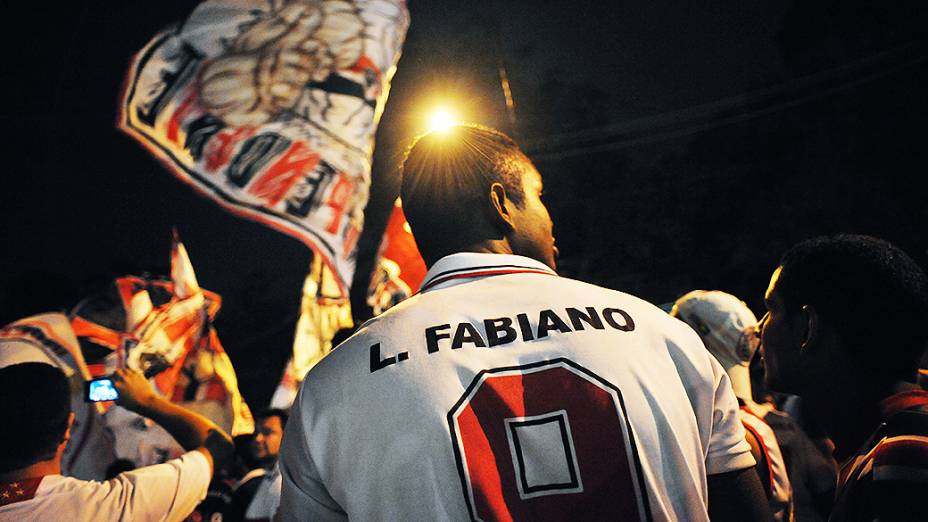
737,496
735,491
191,430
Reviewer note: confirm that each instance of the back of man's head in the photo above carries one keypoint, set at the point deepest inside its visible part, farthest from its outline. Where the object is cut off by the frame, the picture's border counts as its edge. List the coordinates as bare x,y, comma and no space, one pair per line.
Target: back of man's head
446,181
872,294
35,402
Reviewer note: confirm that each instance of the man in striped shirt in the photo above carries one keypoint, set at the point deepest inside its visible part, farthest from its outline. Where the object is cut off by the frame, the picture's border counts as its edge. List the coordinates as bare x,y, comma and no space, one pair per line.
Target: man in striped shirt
844,329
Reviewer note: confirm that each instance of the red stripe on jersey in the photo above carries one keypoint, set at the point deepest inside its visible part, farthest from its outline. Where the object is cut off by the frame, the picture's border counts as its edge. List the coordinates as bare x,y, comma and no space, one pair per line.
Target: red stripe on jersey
763,448
18,491
904,450
903,401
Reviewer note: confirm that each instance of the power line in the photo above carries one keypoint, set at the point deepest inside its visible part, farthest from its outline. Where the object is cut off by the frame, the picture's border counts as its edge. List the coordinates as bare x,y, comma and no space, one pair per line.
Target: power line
727,111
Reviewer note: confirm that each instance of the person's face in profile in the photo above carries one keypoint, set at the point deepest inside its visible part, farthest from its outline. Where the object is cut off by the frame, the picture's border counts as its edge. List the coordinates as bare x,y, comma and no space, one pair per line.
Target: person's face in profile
780,340
533,235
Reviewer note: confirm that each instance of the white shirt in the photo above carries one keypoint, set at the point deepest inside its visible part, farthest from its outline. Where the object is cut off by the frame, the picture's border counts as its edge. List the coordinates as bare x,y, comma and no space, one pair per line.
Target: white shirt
503,390
164,492
266,499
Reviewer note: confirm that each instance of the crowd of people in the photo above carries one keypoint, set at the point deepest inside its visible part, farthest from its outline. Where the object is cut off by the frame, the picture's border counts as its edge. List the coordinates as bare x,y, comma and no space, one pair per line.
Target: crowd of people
502,391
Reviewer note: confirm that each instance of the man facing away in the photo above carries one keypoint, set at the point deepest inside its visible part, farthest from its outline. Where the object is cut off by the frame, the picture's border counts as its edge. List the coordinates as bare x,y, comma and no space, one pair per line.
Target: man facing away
35,408
502,391
844,329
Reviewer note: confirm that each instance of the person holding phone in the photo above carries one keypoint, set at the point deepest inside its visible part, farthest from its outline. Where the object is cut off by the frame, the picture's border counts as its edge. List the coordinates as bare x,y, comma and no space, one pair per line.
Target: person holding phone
35,408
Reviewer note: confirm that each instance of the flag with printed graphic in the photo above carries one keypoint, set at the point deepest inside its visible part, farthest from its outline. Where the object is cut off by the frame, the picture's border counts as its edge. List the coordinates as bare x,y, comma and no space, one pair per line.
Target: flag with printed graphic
269,108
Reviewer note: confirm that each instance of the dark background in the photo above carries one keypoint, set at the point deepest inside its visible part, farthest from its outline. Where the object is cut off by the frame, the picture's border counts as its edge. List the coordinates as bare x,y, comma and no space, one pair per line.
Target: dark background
683,144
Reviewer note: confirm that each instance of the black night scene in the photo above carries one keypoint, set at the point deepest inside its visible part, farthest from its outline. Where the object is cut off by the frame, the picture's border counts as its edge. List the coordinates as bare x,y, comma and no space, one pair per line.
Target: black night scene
683,145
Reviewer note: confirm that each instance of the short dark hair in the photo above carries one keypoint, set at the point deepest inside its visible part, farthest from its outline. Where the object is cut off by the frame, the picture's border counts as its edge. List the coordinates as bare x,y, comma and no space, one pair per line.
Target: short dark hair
35,402
447,175
874,295
274,412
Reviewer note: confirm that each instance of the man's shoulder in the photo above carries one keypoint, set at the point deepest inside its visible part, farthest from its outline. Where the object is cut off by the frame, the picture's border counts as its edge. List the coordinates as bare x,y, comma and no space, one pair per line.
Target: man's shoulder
354,352
903,453
61,483
54,489
888,482
569,288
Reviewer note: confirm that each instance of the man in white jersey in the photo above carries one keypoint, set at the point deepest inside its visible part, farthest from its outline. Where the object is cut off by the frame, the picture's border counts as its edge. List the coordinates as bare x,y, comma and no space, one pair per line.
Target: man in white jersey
35,408
502,391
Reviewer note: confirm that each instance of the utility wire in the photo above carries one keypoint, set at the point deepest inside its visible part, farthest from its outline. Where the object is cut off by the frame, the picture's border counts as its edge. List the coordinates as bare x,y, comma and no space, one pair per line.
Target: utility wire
728,111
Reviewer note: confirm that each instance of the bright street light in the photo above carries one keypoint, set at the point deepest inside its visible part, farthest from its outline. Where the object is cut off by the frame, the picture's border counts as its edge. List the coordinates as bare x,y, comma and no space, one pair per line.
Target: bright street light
441,120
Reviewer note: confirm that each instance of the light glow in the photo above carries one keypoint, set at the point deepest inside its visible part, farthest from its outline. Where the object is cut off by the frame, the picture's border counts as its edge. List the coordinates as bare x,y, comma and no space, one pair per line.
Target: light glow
441,120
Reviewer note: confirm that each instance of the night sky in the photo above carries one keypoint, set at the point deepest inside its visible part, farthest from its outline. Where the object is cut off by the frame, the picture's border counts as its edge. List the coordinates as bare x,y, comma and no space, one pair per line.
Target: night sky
683,144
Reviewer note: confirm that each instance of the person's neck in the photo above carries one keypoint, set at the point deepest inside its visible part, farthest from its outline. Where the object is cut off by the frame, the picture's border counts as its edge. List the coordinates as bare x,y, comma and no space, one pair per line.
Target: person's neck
489,246
39,469
849,408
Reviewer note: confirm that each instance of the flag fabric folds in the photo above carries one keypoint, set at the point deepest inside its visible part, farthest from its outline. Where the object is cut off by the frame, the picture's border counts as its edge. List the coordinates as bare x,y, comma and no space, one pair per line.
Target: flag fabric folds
400,269
164,328
397,275
323,312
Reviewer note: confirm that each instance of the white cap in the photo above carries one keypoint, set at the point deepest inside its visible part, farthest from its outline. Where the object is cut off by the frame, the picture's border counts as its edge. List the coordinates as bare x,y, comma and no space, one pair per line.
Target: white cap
728,329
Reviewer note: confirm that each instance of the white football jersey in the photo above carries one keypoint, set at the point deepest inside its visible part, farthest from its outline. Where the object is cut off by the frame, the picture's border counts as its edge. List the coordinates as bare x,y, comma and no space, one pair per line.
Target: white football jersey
502,391
166,492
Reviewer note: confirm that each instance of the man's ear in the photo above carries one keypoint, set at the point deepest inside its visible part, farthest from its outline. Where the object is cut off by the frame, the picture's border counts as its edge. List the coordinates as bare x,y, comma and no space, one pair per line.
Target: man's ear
66,436
499,210
812,326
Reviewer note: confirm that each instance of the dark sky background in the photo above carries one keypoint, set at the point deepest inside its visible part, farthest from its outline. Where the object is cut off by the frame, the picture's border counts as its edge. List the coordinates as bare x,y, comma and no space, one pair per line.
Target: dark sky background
683,144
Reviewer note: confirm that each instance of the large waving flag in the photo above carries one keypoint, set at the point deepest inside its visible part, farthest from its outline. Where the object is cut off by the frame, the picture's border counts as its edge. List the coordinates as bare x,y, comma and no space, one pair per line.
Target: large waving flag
269,108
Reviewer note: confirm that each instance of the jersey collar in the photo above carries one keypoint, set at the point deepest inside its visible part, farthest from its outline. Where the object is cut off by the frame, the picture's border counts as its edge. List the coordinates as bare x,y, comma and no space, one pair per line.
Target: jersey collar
471,264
